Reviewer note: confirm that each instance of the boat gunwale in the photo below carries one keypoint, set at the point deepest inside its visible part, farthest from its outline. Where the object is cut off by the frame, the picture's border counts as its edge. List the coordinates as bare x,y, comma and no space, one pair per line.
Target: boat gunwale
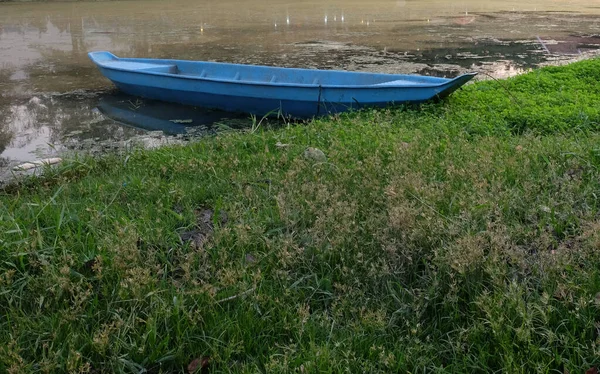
377,86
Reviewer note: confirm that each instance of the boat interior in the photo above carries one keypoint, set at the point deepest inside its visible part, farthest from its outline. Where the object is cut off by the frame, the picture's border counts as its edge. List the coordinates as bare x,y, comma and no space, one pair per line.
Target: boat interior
261,74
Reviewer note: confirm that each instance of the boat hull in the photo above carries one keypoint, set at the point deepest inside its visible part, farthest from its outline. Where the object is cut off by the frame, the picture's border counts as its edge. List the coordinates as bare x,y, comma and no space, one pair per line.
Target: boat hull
268,98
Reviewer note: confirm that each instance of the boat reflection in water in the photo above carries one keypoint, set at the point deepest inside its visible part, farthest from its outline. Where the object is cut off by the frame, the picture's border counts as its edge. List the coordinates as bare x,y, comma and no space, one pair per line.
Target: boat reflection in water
172,119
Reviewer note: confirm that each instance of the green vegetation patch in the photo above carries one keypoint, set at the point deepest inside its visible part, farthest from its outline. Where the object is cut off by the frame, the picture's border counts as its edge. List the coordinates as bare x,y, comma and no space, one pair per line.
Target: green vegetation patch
545,101
463,237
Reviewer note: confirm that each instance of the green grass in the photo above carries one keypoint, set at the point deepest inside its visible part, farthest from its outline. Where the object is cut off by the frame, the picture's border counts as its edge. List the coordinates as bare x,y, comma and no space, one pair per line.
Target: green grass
461,237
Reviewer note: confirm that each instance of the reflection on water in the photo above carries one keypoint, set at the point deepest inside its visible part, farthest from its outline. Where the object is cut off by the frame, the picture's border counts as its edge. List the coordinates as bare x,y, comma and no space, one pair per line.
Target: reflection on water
39,127
171,119
47,125
49,89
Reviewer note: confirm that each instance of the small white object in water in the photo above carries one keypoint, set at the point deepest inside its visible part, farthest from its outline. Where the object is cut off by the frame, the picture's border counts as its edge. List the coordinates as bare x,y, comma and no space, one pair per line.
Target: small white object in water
181,120
37,101
34,164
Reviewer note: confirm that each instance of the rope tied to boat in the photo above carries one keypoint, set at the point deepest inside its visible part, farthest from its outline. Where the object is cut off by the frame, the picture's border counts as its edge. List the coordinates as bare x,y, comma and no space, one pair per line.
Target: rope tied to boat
319,100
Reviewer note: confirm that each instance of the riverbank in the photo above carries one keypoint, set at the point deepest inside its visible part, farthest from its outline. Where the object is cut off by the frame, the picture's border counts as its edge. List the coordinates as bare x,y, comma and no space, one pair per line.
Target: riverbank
462,237
51,91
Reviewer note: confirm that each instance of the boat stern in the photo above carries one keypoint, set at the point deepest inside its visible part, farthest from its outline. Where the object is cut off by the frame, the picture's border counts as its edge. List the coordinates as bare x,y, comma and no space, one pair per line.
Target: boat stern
100,57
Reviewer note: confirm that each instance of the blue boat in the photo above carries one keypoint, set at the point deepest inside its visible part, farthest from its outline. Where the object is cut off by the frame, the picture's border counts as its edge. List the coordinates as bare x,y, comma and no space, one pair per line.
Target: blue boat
264,90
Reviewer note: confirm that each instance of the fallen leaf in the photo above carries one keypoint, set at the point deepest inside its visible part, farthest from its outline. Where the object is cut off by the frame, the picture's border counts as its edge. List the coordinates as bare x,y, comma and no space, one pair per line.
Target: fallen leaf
199,363
194,365
195,237
204,227
204,216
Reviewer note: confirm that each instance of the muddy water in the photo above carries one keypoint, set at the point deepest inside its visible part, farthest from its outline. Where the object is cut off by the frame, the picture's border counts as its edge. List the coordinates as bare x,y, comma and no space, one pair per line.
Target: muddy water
51,94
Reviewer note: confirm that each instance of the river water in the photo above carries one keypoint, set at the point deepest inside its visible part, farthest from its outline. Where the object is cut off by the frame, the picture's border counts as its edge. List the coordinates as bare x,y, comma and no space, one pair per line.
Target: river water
53,99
